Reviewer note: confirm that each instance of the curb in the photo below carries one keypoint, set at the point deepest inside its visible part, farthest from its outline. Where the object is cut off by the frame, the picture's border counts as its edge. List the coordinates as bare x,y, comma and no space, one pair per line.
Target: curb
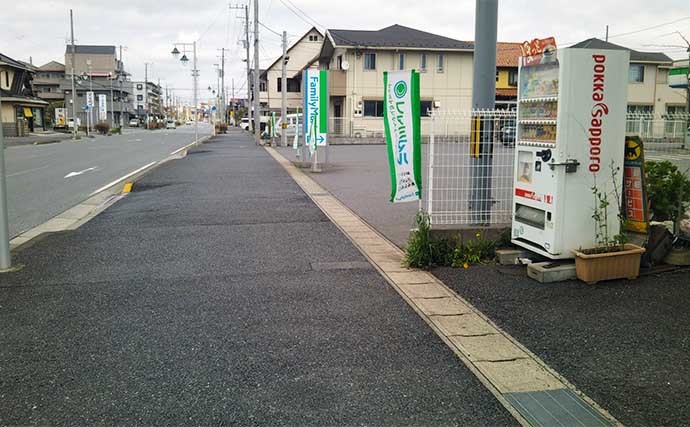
97,202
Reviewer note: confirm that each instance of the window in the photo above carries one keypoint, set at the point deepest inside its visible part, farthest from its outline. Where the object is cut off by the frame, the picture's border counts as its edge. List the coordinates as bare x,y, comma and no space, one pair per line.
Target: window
373,108
339,62
7,79
662,76
46,89
140,97
262,86
497,75
401,61
140,86
292,85
425,108
422,62
512,77
641,109
313,38
140,107
369,61
636,73
439,63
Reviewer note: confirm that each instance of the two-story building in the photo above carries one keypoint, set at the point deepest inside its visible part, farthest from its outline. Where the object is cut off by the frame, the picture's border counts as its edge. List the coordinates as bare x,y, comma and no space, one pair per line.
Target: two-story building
21,110
47,81
300,53
507,60
648,88
357,58
97,68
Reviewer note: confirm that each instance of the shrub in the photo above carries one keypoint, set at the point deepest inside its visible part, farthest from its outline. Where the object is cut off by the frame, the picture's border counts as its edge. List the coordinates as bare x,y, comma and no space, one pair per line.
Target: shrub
117,131
221,128
102,128
475,251
422,251
668,190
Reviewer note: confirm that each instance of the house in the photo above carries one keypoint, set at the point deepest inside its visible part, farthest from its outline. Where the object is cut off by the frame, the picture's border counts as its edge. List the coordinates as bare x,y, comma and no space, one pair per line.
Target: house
147,98
357,58
301,52
648,88
507,60
97,68
22,111
47,81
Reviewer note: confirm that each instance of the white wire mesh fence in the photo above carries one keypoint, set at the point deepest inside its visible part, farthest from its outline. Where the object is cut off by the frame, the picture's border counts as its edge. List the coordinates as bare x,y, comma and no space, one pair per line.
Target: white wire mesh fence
470,168
471,184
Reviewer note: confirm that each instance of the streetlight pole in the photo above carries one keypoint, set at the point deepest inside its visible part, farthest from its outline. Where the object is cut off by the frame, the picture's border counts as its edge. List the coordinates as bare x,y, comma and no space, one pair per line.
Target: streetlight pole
93,97
5,256
195,75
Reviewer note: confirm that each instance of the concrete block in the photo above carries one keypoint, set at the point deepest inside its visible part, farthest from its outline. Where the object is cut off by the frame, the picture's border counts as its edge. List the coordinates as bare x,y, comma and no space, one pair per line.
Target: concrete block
411,277
512,256
442,306
465,324
493,348
518,376
425,290
550,271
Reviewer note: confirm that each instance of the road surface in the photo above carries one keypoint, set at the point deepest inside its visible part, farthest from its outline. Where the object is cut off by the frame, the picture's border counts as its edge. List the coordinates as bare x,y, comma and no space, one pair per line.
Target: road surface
45,180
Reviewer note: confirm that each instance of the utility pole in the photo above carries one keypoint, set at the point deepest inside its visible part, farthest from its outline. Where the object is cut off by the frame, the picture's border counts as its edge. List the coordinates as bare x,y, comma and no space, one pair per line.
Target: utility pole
283,88
74,92
119,79
483,99
5,256
223,108
146,93
93,97
607,33
112,104
257,100
232,99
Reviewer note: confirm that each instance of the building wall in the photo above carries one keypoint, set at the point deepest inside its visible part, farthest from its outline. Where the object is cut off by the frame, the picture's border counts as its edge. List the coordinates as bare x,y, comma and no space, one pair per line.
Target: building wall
300,54
100,63
449,90
6,76
8,115
504,79
654,90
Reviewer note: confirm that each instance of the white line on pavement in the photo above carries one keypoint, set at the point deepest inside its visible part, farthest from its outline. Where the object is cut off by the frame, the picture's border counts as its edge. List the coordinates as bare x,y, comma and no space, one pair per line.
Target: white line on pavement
71,174
27,171
105,187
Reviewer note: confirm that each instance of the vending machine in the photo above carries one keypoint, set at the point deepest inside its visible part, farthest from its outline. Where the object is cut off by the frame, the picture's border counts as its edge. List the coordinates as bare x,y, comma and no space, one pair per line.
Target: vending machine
570,134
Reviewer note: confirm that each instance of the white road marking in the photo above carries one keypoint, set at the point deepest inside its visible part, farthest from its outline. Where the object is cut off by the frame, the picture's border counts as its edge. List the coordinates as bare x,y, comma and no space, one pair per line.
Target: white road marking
105,187
134,140
27,171
71,174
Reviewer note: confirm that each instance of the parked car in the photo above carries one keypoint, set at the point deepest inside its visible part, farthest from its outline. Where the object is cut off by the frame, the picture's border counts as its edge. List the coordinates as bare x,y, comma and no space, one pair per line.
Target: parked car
170,124
244,124
70,123
507,135
292,120
189,123
134,123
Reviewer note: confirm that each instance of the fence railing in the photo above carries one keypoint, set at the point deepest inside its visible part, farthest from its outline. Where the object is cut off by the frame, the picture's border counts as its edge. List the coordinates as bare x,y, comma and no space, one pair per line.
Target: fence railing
466,188
470,184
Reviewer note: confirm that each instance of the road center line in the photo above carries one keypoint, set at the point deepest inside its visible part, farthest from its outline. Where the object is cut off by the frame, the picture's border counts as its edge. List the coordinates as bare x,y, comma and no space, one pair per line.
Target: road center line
105,187
27,171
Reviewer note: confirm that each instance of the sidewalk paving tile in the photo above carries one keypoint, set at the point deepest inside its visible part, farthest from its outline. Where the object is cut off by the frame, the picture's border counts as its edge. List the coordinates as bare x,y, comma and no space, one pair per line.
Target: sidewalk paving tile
442,306
519,375
424,290
464,324
492,348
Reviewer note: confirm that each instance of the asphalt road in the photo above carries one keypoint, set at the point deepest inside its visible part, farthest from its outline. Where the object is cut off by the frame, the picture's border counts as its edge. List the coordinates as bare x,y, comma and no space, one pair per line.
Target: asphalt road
39,184
217,293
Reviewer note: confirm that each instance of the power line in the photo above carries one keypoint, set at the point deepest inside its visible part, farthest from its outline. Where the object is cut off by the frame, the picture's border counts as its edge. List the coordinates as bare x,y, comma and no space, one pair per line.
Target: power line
650,28
303,16
270,29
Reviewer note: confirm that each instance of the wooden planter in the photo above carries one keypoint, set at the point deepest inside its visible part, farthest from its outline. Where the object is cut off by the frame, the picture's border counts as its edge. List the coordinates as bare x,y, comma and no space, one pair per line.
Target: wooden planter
625,264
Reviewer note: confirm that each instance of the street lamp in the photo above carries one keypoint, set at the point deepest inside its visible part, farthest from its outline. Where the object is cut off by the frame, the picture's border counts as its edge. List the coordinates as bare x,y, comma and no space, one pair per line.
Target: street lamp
195,75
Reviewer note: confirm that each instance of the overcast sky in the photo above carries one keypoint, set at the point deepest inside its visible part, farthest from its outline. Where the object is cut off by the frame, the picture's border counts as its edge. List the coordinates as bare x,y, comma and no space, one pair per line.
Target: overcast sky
148,29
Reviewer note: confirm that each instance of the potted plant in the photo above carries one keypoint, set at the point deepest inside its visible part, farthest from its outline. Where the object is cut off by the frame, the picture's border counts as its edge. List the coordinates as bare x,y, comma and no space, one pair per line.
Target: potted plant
612,257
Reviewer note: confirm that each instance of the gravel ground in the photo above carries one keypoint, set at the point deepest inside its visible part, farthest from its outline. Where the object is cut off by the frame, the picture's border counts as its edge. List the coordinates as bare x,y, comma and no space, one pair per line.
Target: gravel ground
626,344
193,301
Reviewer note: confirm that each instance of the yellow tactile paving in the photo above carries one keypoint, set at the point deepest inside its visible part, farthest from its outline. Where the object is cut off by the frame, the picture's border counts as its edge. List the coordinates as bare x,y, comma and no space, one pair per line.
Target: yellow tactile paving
501,363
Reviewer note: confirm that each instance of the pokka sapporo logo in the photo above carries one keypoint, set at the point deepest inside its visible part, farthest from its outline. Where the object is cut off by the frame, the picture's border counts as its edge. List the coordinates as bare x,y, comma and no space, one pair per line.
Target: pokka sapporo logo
400,89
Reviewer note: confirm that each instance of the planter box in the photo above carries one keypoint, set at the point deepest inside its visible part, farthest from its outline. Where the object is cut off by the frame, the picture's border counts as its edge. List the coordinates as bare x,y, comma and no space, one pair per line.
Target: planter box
625,264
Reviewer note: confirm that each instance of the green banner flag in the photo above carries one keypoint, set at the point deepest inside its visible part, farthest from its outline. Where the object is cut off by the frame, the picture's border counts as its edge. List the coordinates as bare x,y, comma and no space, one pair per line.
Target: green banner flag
401,116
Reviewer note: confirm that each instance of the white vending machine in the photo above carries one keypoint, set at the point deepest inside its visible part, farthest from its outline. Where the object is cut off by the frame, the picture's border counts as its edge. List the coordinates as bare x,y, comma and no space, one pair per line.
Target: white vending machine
571,127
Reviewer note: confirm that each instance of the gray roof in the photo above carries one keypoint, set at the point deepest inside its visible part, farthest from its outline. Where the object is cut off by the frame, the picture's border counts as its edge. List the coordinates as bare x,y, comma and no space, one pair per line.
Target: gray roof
397,36
12,62
635,55
52,66
91,49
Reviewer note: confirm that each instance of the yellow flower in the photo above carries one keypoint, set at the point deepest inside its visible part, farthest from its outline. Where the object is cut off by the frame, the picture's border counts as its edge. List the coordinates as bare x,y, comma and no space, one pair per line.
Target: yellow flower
478,235
465,266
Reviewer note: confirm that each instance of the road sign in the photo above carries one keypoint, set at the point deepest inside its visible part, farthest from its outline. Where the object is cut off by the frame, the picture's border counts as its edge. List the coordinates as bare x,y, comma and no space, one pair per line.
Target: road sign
90,99
315,108
102,108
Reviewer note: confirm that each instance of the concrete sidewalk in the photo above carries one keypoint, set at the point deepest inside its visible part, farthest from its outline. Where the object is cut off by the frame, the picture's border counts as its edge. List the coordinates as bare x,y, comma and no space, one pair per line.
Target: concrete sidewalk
218,293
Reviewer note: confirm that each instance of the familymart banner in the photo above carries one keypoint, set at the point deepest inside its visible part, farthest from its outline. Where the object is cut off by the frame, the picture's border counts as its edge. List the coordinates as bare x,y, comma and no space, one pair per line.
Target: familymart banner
315,108
401,118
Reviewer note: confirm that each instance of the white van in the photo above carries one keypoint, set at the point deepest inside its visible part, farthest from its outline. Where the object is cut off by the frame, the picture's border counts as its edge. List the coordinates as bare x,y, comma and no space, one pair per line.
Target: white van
170,124
292,121
245,123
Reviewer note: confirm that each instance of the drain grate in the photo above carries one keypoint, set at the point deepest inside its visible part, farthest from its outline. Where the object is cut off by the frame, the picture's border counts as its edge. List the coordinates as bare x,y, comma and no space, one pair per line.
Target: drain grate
556,408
